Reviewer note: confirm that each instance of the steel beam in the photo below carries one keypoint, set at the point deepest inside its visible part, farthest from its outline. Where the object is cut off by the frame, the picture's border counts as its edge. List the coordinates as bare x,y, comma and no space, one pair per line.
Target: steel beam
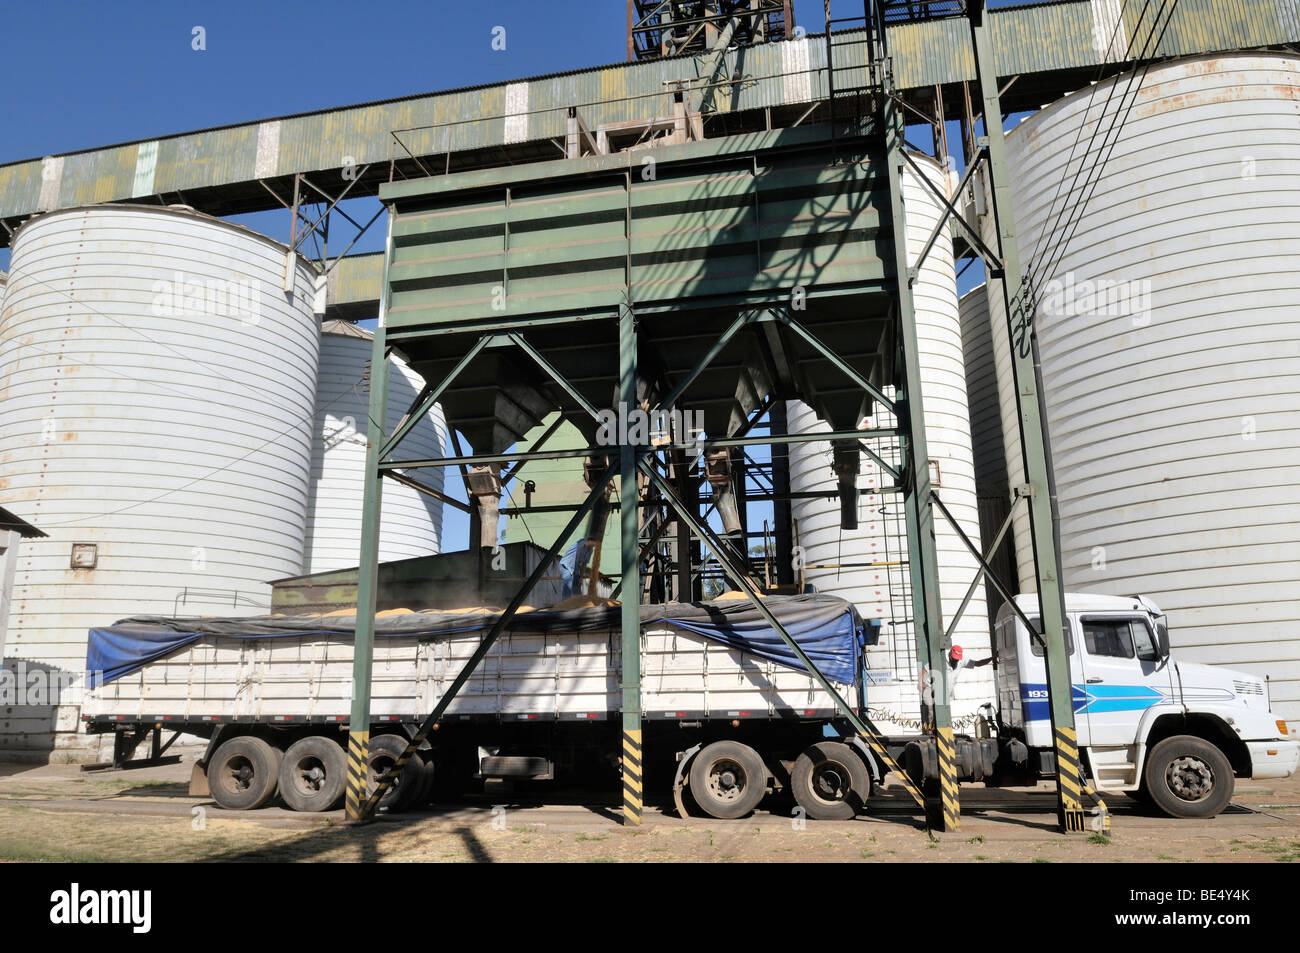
630,531
1033,437
368,566
722,443
923,561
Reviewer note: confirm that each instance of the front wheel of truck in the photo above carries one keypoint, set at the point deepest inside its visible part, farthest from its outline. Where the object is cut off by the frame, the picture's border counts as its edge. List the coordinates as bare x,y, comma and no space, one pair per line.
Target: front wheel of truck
1187,776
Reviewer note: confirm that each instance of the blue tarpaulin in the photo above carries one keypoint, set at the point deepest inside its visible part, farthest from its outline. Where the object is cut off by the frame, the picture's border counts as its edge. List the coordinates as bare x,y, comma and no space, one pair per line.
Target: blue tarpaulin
825,627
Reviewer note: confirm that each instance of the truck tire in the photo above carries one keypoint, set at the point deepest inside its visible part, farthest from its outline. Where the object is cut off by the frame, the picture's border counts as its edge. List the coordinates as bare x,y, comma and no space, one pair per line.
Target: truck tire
427,773
312,774
830,782
384,752
1188,777
728,779
244,773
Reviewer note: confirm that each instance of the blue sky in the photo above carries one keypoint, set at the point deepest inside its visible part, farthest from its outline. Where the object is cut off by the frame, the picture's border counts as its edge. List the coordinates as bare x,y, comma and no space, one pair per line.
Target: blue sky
87,74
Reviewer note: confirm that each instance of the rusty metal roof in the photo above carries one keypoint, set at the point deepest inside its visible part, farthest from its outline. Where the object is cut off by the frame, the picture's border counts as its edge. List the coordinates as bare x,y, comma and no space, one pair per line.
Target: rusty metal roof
220,170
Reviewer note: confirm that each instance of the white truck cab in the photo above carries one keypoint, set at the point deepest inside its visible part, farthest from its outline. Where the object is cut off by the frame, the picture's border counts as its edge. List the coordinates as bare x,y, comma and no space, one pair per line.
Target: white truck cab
1174,733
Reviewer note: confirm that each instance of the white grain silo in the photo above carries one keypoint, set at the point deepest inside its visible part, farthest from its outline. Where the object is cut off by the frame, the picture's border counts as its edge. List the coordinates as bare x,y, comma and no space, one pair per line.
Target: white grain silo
1168,335
991,487
874,575
157,388
412,521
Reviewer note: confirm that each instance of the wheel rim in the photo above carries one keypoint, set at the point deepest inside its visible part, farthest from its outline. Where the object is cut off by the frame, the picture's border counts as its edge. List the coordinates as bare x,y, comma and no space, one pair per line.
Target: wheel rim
830,782
309,775
1190,779
727,780
238,775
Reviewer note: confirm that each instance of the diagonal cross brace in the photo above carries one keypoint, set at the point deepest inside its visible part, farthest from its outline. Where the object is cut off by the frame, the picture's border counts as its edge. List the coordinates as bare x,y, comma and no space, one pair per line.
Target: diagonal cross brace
394,772
991,257
428,397
835,359
943,219
721,553
983,570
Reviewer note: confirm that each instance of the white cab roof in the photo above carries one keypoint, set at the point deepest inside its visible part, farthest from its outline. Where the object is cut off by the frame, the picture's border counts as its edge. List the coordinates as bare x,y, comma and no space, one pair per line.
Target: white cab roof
1082,602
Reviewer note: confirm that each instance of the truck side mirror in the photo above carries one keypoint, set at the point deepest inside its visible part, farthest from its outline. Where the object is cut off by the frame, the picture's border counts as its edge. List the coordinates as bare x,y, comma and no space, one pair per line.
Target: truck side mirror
1162,640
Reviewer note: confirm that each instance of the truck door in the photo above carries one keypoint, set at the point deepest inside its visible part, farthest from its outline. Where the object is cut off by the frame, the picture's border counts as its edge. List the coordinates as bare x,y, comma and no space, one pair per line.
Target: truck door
1123,675
1033,685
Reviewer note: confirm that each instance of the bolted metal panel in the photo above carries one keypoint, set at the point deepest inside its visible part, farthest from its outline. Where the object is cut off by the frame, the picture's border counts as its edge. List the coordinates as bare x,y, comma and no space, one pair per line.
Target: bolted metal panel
156,396
412,521
932,52
753,220
553,250
1167,327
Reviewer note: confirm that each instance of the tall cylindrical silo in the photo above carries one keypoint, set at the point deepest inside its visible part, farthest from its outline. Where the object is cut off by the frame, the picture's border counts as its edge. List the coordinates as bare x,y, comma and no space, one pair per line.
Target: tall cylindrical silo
991,487
1168,338
867,566
157,389
411,522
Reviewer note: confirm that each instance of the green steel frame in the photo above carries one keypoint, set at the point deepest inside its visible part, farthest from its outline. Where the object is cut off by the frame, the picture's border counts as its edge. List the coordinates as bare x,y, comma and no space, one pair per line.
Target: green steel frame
1070,786
482,331
361,799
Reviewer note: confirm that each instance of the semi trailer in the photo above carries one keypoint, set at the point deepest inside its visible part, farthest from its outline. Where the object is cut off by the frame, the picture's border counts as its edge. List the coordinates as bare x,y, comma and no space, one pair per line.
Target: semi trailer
729,713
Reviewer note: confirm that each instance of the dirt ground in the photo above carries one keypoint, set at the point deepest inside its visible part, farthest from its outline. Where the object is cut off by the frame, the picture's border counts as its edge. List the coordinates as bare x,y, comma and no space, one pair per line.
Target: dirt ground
58,813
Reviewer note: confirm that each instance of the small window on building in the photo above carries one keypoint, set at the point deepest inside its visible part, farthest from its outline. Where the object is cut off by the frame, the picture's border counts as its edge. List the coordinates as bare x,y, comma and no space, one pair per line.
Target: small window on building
84,555
1036,646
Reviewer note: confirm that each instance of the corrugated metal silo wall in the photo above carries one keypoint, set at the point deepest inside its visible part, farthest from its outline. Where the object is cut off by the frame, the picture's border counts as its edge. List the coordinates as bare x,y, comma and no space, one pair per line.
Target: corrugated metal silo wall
1168,344
991,487
411,523
157,388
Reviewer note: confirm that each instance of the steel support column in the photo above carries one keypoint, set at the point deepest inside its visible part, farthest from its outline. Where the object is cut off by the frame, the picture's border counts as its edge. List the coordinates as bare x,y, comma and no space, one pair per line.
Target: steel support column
942,813
1033,438
368,565
629,513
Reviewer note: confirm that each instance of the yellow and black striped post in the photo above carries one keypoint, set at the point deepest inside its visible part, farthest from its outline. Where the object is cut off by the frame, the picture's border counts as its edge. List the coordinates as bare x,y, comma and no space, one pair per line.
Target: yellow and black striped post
949,815
632,777
1069,779
879,750
354,795
1101,815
